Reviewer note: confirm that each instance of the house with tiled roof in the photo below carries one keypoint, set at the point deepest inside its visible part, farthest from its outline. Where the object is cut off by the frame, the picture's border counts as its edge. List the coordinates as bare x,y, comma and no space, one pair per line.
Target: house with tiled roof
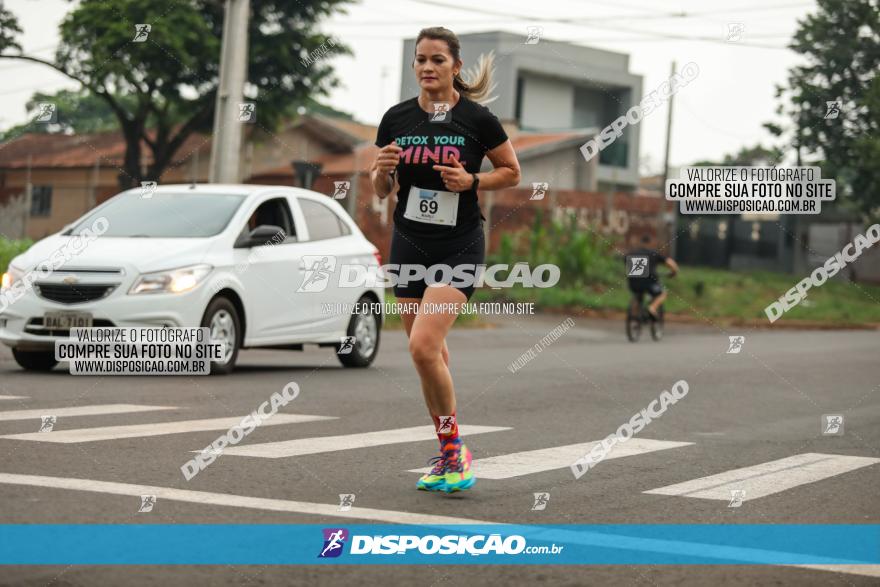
48,180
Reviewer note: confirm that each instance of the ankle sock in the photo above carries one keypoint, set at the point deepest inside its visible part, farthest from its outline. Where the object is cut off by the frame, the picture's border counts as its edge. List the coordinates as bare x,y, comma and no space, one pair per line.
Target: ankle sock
447,429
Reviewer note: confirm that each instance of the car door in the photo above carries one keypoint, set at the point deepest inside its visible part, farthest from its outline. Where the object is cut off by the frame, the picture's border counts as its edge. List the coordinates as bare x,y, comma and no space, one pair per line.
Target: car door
327,247
270,274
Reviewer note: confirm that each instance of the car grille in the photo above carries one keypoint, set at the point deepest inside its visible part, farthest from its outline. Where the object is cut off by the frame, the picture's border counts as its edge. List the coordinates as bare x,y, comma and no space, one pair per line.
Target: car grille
91,270
35,326
74,294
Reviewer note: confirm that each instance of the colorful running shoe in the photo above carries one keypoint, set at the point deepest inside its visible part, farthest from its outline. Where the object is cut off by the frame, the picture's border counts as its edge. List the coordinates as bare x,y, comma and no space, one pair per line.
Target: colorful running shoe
433,480
458,467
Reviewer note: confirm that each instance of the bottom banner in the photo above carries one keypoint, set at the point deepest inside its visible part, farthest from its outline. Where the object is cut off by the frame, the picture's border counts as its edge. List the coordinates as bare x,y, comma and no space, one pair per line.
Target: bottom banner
279,544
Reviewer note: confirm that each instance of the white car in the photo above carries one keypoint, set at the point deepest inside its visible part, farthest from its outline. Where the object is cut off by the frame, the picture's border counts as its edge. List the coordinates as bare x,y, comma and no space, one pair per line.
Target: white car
256,264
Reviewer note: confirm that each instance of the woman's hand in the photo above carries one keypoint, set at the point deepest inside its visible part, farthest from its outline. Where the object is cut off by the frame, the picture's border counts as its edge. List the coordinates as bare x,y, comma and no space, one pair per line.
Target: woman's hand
388,158
455,177
385,164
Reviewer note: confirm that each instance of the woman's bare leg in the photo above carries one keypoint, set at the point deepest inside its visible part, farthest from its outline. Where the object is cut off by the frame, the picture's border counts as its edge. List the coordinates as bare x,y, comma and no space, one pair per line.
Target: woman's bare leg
410,317
427,346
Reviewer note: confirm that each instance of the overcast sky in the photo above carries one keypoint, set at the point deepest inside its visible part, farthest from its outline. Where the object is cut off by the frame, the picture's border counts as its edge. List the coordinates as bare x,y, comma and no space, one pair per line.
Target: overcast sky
719,112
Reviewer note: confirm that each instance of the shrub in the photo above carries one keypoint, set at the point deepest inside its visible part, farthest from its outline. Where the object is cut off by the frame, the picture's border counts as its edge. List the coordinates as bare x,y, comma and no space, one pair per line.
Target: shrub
10,249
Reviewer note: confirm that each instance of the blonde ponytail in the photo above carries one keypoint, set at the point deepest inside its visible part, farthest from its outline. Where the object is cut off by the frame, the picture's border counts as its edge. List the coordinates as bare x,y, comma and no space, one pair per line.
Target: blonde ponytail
479,84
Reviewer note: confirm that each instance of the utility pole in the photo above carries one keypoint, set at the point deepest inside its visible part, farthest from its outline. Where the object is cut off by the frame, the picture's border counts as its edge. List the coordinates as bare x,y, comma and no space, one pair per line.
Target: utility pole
383,77
226,144
674,239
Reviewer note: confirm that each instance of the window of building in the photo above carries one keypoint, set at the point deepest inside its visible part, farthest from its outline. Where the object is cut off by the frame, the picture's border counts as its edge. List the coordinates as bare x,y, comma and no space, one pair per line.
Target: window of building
41,200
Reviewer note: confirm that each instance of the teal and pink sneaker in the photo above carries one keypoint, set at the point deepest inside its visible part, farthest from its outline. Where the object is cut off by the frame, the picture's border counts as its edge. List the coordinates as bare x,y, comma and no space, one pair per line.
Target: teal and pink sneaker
433,480
458,475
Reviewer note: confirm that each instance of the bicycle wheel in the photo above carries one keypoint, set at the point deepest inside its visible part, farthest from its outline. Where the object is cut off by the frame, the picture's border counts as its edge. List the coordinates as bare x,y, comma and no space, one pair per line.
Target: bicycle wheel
657,325
633,325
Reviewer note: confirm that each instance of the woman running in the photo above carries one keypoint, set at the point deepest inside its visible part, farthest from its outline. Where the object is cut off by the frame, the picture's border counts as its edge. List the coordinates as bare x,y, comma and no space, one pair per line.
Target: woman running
431,150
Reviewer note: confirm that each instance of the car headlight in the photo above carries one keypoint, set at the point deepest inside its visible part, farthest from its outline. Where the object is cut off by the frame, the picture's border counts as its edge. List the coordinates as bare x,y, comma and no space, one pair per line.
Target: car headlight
12,275
171,281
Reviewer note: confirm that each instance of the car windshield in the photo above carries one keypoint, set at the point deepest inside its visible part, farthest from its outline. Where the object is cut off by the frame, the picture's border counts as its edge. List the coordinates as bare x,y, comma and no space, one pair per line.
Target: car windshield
164,215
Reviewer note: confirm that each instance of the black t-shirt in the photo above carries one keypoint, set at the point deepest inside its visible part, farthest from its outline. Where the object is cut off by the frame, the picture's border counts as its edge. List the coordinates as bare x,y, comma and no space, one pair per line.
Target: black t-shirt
654,258
469,132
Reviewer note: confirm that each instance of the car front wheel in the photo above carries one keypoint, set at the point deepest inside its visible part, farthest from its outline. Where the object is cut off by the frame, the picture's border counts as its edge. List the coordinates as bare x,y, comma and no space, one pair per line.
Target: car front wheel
222,319
35,360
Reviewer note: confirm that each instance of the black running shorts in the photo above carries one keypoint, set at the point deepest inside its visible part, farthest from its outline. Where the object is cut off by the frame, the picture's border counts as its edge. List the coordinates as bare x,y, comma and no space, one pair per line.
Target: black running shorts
642,286
468,249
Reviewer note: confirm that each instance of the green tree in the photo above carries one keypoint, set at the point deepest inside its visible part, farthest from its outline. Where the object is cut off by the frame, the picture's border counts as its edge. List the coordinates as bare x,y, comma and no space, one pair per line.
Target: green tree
78,112
840,45
162,89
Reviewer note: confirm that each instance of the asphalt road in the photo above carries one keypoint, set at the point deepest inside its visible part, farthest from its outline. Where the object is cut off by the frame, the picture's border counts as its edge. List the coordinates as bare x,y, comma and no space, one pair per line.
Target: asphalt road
743,409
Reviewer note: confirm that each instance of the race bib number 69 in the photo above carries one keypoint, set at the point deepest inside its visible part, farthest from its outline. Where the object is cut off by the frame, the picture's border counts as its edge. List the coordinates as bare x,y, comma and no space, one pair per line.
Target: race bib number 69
432,206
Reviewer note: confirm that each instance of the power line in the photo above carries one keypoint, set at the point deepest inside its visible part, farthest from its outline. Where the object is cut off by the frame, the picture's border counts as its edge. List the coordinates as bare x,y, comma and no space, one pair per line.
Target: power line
533,19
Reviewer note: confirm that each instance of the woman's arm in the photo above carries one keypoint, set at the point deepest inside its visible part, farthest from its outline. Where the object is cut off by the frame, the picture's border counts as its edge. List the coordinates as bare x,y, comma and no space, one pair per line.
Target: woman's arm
506,173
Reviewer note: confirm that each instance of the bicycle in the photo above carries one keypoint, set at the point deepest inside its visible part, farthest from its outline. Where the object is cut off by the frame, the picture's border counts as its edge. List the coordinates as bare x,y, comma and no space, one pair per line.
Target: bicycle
635,320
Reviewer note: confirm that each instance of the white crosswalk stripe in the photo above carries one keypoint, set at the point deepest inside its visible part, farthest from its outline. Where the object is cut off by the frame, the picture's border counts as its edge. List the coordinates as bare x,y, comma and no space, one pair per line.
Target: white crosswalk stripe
155,429
97,410
321,444
558,457
767,478
755,481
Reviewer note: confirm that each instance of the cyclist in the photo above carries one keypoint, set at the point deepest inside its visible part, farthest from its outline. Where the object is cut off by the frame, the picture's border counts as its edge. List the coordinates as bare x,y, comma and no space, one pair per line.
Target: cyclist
642,275
431,150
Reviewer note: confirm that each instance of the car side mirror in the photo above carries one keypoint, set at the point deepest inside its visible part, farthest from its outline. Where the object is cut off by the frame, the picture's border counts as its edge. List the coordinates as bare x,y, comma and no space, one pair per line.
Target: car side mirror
264,234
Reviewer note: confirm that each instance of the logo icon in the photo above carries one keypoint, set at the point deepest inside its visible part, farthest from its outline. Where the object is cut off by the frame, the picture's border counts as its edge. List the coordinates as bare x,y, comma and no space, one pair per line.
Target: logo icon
346,500
47,423
147,189
141,32
340,189
247,112
736,344
147,503
442,113
832,425
539,189
46,112
735,32
317,270
334,540
346,345
736,498
534,35
447,423
70,280
636,266
832,109
541,500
